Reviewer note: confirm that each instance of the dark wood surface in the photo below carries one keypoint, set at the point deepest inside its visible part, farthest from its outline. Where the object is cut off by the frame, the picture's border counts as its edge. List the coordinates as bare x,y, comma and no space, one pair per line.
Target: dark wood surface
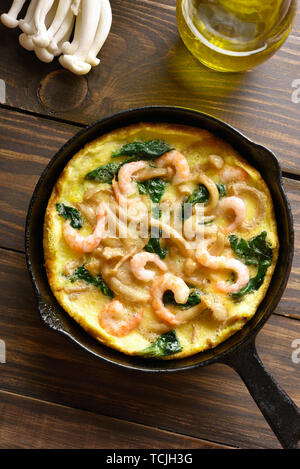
49,388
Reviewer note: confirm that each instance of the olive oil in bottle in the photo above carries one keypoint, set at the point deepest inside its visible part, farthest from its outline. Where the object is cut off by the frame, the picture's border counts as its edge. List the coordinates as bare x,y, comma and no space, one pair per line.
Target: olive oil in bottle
234,35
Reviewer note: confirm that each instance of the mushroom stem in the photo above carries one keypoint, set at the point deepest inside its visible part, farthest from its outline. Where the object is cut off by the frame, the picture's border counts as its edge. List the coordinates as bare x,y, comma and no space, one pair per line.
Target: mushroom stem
71,47
42,9
63,34
26,40
47,54
43,40
101,34
77,63
10,18
26,24
75,7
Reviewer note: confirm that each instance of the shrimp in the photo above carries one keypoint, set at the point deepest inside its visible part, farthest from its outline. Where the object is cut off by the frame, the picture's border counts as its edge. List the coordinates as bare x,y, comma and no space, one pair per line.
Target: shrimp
160,285
179,161
233,173
129,209
222,262
138,263
116,321
238,188
236,205
125,176
86,243
121,199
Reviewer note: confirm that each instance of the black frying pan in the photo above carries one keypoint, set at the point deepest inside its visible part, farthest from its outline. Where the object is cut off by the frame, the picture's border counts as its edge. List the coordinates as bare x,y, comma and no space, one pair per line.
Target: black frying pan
239,350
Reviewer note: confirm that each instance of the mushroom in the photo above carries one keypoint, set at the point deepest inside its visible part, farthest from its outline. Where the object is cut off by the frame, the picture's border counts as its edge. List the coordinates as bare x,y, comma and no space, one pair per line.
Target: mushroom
42,9
101,34
26,40
75,7
54,49
48,26
10,18
27,24
44,39
63,34
70,48
77,62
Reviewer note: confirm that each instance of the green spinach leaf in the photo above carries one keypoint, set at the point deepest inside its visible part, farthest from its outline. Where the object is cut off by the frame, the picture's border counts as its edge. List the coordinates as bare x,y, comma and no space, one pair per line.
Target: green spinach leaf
154,246
200,195
257,251
154,187
70,213
254,283
193,299
104,173
254,251
166,344
144,150
222,190
81,273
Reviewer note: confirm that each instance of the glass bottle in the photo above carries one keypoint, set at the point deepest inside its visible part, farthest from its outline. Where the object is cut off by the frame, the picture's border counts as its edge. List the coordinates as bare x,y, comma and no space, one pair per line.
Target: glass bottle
234,35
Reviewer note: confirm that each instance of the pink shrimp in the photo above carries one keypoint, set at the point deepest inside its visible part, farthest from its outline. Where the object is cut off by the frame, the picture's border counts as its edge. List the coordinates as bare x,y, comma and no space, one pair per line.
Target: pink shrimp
86,243
125,176
222,262
179,161
160,285
130,208
236,205
117,321
233,173
138,263
121,199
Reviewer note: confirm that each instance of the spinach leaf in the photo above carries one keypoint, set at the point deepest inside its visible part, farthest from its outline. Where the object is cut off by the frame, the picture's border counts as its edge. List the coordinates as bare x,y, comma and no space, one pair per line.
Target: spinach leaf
70,213
254,251
142,187
81,273
193,299
143,150
257,251
166,344
107,172
154,187
200,195
104,173
222,190
254,283
154,246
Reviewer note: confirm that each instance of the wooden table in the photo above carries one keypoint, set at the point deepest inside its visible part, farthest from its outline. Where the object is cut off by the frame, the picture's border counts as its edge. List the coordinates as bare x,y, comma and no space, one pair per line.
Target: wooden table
52,394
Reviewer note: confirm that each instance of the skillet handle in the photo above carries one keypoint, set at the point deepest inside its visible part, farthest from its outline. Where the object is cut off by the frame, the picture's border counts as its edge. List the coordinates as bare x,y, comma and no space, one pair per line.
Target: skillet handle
279,410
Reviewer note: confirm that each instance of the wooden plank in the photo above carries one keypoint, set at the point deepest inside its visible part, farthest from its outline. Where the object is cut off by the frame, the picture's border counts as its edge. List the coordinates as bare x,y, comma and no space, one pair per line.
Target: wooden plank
210,403
144,62
27,144
28,423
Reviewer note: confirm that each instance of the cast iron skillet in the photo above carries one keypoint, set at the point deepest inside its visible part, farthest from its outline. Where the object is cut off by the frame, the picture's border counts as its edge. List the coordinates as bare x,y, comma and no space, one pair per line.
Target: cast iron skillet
238,351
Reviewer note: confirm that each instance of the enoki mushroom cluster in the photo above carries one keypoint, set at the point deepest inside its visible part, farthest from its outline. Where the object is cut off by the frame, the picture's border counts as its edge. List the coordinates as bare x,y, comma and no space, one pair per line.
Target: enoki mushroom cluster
75,30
